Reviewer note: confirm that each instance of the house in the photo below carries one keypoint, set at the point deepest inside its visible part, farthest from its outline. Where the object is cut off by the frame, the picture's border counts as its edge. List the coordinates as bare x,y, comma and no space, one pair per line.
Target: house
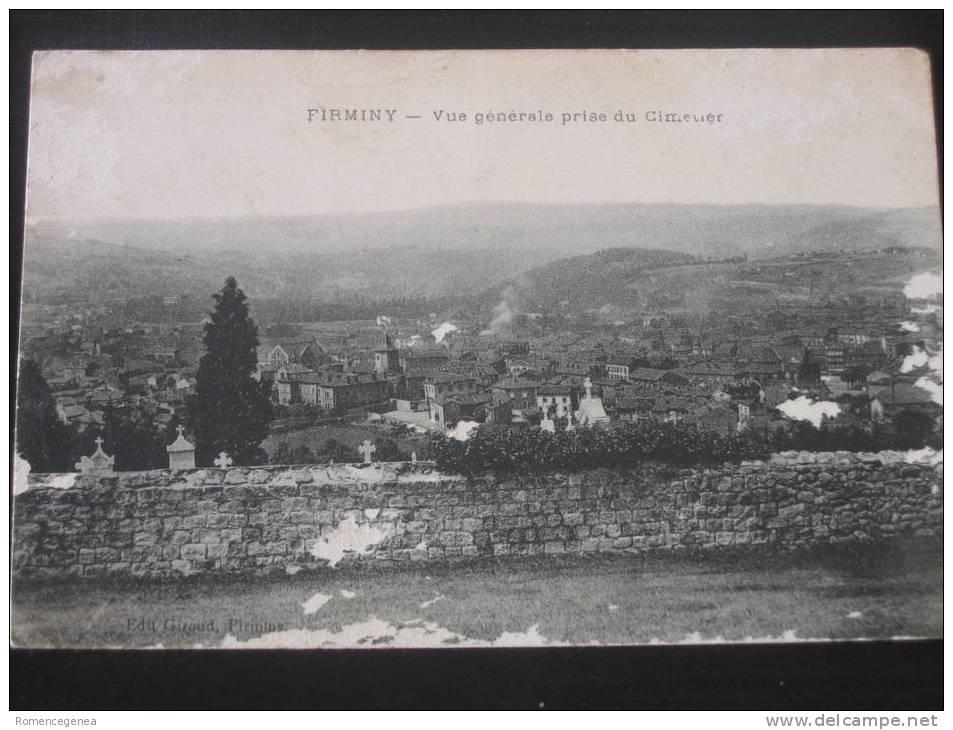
71,413
619,367
164,353
448,409
834,358
339,392
334,341
407,387
774,394
287,382
657,379
573,369
516,367
265,372
836,386
877,382
718,418
554,400
672,408
309,387
515,389
513,348
759,362
633,408
449,383
304,352
902,397
423,359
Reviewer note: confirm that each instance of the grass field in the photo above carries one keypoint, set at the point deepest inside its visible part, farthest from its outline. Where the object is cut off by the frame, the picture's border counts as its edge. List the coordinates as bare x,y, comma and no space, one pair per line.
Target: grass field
883,591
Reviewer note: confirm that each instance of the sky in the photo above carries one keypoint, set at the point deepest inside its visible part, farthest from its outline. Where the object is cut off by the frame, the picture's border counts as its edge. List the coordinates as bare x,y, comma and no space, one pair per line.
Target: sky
182,134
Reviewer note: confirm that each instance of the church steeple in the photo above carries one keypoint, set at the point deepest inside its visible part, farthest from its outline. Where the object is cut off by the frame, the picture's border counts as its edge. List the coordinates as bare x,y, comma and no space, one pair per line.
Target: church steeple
386,355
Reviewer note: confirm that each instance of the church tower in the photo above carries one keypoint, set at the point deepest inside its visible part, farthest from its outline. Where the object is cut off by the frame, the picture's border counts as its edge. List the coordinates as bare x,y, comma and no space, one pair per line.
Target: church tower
386,356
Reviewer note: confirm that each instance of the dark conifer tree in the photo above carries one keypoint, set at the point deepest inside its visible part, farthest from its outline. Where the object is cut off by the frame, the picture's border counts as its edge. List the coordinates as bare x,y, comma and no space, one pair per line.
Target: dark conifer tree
809,371
133,440
229,411
41,438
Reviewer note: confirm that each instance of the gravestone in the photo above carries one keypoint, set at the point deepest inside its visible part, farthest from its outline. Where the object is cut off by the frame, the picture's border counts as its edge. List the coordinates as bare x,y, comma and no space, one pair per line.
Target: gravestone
98,463
181,452
367,448
223,461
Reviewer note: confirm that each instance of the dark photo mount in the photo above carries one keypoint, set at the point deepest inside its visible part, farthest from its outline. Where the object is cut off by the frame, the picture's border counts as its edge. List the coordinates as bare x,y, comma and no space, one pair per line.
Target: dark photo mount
838,675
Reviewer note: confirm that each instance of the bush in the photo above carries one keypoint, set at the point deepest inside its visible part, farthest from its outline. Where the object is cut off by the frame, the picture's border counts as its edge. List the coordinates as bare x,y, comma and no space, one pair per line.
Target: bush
387,449
507,448
334,450
287,453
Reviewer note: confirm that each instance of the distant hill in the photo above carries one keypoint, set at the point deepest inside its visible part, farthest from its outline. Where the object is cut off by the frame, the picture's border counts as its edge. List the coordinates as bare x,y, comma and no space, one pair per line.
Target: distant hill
559,230
432,252
633,279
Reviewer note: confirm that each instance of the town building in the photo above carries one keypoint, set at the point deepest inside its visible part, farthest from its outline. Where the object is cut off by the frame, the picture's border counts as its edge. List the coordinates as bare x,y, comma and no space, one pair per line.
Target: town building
449,384
423,360
386,356
305,352
339,392
555,401
446,410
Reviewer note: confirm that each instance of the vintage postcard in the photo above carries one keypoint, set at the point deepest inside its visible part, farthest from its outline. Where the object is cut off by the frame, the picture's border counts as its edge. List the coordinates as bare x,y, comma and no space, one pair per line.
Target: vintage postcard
479,349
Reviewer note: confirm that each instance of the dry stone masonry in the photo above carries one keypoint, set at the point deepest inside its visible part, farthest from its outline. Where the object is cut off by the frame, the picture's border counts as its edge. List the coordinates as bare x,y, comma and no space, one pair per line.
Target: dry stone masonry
165,524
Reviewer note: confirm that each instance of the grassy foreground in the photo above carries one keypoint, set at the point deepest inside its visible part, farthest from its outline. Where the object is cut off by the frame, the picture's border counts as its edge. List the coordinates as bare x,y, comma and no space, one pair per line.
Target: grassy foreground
887,590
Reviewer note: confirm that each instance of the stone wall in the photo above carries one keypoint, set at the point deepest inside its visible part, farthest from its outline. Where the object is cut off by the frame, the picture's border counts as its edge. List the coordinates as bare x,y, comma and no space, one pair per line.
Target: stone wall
286,519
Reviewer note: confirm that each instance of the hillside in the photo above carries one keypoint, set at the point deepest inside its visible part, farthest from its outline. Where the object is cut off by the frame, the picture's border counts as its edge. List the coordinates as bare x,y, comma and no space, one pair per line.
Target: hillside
648,279
557,230
445,251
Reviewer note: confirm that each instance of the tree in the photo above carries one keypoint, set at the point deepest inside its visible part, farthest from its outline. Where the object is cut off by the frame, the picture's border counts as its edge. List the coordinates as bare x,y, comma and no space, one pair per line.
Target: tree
913,428
229,412
386,449
41,438
133,439
809,371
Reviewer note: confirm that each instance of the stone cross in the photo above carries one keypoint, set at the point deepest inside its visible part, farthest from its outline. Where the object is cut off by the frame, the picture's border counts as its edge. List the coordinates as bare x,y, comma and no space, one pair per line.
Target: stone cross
367,448
223,460
99,462
180,429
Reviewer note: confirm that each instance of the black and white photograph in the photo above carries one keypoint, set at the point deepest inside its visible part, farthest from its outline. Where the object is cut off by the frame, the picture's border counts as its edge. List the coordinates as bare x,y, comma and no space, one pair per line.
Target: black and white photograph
478,349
